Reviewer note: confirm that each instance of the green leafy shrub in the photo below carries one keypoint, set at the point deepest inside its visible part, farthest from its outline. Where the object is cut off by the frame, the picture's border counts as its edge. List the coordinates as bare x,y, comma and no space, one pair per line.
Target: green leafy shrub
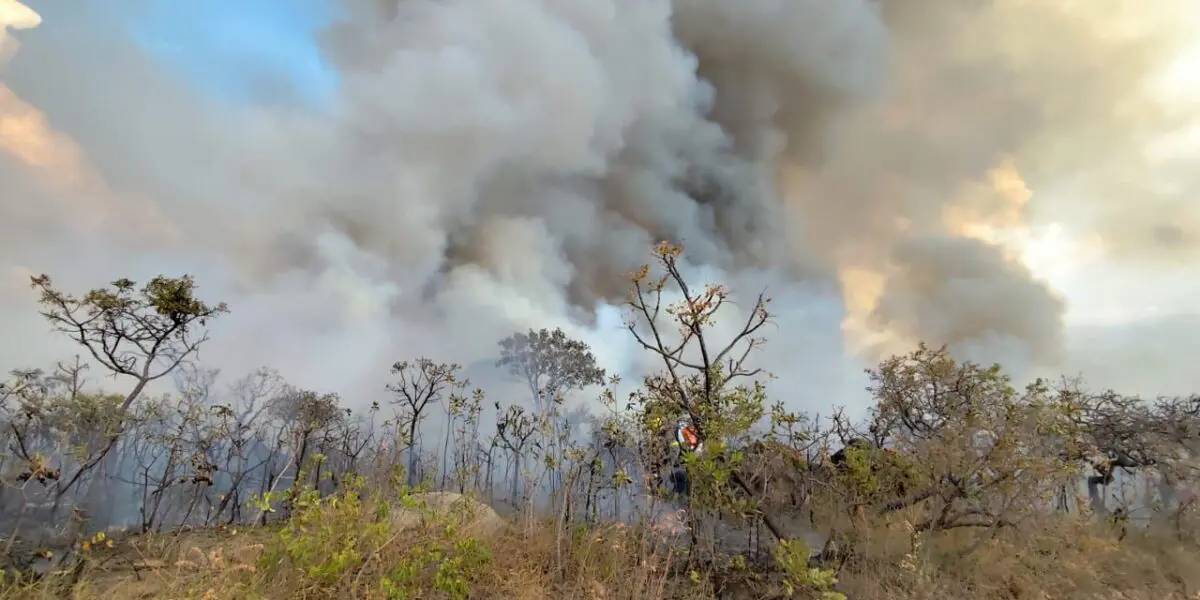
342,544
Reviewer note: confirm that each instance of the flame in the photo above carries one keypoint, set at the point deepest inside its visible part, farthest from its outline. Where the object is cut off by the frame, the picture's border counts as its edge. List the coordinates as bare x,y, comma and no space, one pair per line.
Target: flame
54,159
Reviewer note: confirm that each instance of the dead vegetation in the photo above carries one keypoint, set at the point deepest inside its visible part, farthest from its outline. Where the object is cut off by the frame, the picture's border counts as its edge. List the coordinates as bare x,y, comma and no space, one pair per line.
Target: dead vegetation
959,485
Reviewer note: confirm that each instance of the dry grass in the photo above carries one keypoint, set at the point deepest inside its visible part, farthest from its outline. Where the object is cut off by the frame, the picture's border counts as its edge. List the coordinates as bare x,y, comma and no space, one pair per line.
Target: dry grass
1053,559
1048,559
165,566
528,562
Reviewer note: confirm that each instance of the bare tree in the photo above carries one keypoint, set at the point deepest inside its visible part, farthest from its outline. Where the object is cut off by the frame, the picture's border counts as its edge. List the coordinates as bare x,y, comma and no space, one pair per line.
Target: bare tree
144,334
701,377
249,399
307,415
693,382
464,413
55,426
418,384
514,432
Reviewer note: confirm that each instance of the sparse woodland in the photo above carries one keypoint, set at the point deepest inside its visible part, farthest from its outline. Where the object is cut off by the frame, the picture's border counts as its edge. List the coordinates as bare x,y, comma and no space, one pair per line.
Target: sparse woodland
960,484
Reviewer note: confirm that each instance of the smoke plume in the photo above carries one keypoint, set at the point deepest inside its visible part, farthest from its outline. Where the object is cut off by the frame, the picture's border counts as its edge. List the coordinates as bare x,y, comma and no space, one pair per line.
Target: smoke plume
887,170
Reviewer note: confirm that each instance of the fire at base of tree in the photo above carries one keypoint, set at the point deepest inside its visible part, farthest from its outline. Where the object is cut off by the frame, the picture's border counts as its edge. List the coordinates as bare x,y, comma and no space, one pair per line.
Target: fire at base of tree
960,484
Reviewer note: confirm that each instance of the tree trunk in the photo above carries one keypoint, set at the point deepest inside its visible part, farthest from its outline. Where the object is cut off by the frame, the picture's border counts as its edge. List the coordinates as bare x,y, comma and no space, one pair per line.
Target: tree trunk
413,457
516,477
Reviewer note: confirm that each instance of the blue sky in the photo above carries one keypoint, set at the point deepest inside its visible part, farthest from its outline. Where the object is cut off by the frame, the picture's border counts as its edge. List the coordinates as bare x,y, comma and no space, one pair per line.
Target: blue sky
241,50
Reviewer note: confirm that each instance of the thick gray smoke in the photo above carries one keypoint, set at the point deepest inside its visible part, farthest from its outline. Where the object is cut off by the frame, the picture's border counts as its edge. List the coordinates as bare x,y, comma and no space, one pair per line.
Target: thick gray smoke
492,166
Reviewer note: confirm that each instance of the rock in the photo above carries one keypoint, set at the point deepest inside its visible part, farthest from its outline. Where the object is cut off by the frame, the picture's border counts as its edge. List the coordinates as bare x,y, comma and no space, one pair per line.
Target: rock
471,516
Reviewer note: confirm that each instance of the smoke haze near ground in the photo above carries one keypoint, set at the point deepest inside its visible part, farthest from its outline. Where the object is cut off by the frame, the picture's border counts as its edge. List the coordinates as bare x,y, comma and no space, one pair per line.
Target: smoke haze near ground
890,171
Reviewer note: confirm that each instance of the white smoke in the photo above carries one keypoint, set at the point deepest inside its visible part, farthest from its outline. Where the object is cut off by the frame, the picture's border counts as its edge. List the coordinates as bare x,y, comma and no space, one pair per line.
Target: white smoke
487,167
